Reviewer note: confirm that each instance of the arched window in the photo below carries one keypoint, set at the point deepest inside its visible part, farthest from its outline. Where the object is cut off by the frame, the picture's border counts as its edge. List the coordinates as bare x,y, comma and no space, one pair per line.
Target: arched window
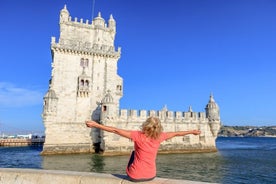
83,87
82,62
86,62
86,85
82,83
119,88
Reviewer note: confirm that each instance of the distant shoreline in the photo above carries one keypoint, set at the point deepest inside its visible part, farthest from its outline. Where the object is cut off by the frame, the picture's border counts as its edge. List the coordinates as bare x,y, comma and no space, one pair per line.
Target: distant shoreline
248,136
247,131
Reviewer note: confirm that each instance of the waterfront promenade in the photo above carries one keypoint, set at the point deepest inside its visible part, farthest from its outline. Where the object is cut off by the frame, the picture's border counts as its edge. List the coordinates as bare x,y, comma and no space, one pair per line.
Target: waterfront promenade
22,142
40,176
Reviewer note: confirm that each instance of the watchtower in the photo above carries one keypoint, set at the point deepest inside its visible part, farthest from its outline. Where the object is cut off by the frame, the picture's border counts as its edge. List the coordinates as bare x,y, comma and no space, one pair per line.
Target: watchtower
84,70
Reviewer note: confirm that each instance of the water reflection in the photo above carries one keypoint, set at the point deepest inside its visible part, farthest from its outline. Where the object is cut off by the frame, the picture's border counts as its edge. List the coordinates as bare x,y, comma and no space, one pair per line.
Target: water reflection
85,163
201,167
78,162
97,163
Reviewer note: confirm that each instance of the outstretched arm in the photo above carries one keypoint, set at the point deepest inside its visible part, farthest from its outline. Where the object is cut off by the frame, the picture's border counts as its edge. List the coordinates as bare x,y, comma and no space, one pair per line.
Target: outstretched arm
121,132
182,133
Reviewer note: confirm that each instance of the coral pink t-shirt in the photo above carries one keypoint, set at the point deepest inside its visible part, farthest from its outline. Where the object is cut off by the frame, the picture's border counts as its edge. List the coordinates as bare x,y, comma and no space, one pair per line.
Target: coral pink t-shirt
146,149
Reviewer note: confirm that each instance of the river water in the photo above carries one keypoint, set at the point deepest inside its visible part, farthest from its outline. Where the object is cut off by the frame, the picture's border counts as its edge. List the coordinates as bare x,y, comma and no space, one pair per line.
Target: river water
238,160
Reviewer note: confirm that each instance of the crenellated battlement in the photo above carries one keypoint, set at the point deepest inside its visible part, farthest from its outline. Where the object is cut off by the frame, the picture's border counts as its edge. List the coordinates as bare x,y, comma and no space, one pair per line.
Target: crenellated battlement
87,24
71,45
97,23
92,38
163,115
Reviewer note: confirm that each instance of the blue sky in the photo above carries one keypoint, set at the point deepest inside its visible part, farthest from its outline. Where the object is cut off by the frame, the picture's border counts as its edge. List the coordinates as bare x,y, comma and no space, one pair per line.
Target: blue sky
174,53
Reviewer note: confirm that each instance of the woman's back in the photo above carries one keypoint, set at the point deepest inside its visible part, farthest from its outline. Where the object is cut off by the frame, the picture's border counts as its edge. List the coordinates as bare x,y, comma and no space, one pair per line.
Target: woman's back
143,165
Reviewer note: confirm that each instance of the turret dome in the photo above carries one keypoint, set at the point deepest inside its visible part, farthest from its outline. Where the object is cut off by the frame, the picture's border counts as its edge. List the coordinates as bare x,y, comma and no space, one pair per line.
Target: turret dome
99,21
112,23
64,10
51,94
212,110
212,104
107,98
64,15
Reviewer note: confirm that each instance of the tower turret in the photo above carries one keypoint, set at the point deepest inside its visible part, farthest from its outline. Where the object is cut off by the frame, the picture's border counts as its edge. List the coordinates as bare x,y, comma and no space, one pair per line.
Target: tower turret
190,109
99,21
112,23
64,15
108,106
50,103
212,110
212,113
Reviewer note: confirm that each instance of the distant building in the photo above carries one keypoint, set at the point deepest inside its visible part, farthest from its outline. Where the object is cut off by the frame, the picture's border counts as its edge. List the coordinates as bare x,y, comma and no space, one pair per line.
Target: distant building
26,136
84,84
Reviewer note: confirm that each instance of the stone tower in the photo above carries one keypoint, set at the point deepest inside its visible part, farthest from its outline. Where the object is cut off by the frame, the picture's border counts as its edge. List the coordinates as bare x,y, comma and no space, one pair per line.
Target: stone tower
212,113
84,71
85,85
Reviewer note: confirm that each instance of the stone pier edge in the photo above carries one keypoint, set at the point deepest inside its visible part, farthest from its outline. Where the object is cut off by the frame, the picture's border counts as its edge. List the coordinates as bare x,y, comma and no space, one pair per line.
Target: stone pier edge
41,176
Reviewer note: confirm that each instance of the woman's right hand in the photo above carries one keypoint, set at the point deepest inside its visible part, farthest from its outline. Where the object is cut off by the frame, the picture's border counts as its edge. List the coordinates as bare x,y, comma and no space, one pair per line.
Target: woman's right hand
90,123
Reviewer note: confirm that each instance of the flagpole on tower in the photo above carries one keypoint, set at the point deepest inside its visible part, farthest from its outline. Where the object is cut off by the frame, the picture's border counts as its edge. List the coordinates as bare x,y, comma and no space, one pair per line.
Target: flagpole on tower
93,6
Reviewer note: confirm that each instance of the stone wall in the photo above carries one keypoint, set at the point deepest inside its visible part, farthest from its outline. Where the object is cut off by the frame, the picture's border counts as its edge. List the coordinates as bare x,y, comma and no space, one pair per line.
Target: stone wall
205,142
35,176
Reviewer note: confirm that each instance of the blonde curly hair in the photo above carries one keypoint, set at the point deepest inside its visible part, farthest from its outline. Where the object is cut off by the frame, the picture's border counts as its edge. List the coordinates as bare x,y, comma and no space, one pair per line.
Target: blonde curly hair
152,127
